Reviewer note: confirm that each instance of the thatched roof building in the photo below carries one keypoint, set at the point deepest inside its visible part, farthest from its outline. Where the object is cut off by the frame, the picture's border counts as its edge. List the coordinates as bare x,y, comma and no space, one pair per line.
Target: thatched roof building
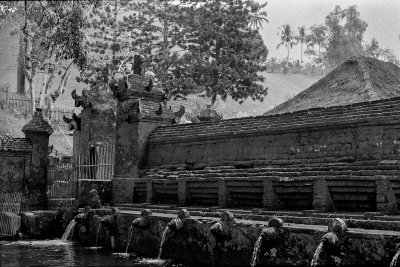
359,79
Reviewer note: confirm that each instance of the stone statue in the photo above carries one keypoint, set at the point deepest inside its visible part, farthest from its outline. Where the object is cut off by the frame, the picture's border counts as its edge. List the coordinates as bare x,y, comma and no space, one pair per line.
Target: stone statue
94,199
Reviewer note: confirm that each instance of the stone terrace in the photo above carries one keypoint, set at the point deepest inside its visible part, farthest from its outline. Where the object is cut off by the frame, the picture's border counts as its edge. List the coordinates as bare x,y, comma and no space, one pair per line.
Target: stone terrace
336,158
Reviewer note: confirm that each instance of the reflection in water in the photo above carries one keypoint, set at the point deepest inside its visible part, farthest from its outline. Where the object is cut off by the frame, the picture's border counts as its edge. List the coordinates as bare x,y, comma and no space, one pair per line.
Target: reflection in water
62,253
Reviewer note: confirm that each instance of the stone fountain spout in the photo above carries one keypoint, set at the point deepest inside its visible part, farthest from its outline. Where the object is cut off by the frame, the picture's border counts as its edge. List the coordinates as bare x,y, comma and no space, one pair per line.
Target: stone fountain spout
144,220
178,223
270,234
110,222
175,225
273,231
330,242
223,228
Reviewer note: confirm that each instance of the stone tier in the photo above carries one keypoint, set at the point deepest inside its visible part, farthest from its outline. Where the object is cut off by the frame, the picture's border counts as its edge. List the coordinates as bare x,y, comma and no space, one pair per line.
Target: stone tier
329,187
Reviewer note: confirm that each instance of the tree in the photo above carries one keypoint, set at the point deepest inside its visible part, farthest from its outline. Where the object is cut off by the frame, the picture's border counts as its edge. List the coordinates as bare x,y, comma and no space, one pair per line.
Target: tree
346,31
317,36
146,28
220,53
372,49
301,37
192,46
287,39
52,40
257,17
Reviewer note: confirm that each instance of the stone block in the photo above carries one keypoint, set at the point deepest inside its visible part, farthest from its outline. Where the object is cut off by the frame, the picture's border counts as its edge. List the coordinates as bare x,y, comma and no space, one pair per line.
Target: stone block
385,197
182,192
322,200
270,198
223,194
122,188
149,191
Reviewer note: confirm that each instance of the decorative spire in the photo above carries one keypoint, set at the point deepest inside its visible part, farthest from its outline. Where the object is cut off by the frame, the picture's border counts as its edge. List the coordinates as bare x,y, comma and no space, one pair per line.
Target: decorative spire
38,124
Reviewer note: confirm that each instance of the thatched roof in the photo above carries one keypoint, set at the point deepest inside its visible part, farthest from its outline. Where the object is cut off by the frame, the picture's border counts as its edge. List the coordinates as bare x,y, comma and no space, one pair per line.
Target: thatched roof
359,79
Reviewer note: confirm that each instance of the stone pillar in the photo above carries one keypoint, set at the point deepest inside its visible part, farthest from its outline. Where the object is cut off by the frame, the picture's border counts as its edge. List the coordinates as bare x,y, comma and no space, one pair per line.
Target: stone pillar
223,194
322,200
149,191
139,112
385,197
38,130
270,199
182,192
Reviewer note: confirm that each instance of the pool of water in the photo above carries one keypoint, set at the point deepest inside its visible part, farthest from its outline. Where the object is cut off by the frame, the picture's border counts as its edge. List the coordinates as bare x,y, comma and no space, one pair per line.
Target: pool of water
62,253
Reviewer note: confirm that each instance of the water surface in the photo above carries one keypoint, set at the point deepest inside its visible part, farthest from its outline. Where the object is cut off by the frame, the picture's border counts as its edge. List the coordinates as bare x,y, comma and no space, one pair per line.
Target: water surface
63,253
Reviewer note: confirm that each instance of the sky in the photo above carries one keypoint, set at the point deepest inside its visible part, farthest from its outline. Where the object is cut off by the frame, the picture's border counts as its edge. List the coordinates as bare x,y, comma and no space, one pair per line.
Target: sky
382,16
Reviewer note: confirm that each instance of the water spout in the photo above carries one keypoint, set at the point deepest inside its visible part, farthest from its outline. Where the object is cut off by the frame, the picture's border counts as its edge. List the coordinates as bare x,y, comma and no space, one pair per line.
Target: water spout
396,256
130,234
97,234
330,241
70,229
268,234
162,242
256,251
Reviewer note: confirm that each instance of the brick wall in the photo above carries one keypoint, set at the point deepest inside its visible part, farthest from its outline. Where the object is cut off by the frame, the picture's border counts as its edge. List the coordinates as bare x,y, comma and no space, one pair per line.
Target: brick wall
359,132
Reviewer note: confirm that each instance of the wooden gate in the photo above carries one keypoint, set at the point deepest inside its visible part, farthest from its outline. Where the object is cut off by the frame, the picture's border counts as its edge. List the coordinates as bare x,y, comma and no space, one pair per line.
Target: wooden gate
10,205
61,180
98,164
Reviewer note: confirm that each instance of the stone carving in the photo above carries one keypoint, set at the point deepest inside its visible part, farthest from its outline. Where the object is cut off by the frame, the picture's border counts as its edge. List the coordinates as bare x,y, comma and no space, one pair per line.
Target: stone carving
94,199
74,122
81,101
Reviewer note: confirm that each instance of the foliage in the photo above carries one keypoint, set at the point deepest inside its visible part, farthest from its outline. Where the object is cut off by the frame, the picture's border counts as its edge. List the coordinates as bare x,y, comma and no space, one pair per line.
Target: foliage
222,54
51,41
191,46
373,49
346,30
257,17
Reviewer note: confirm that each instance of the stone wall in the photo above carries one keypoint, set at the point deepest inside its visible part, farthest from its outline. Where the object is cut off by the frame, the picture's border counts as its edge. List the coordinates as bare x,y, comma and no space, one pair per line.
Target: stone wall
195,244
360,132
97,128
14,169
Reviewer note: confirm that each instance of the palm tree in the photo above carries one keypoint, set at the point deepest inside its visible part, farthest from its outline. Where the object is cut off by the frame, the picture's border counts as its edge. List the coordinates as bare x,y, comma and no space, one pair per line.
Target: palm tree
317,37
301,37
287,39
257,17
